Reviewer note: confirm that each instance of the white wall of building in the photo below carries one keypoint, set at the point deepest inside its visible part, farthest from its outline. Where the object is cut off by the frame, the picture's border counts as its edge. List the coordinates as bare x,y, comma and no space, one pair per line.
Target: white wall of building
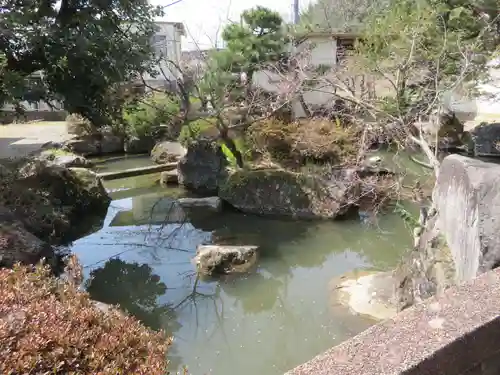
321,51
167,42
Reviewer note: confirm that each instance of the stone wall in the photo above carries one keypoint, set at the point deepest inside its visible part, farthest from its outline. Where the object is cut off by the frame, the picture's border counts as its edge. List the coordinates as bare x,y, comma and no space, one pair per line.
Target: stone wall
9,116
454,334
461,238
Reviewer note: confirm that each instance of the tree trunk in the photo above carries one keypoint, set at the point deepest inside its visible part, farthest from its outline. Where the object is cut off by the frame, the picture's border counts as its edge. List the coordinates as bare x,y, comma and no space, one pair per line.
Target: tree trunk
304,105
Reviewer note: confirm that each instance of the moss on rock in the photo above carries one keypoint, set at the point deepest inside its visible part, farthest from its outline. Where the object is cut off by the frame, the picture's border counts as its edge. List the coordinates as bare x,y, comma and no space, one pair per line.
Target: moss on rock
284,193
50,200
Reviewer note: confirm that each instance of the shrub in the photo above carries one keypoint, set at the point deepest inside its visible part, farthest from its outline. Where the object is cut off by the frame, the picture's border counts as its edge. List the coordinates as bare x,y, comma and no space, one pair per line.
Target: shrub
78,125
194,129
143,116
47,326
309,140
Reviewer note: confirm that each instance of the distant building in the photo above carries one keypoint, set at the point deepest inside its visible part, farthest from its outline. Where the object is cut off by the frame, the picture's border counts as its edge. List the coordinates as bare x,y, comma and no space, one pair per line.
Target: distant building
320,49
167,45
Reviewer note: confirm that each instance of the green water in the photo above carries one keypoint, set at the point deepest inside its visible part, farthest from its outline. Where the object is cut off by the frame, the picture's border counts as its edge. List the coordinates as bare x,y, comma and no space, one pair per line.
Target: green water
265,323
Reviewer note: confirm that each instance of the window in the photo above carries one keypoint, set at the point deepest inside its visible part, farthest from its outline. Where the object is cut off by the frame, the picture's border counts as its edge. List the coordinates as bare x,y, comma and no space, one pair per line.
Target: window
160,45
344,48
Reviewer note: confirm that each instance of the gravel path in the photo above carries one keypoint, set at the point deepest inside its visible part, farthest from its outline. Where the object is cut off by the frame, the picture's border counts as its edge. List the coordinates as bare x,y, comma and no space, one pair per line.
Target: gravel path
17,140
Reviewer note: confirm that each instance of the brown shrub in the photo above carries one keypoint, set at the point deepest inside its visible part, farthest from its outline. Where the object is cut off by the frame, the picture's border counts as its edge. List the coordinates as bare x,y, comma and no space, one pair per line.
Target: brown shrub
309,140
47,326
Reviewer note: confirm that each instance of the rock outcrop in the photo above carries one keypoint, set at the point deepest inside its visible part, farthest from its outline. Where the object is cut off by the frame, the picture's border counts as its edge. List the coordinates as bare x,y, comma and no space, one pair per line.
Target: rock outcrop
284,193
203,168
212,260
461,237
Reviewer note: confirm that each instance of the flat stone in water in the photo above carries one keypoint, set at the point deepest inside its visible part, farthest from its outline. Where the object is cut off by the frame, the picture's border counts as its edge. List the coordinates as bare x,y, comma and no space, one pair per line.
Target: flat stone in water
365,293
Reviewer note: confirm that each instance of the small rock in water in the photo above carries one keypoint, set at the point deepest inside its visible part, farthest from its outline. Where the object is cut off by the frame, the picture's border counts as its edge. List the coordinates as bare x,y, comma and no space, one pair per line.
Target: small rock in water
213,203
169,178
214,260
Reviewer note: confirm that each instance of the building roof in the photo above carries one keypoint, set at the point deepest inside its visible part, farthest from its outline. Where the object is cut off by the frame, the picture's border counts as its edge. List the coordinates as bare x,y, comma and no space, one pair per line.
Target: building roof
329,34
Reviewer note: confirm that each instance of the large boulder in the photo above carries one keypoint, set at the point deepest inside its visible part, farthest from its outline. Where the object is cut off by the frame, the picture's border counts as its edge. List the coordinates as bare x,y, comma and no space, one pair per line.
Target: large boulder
84,145
139,145
485,140
51,201
111,144
95,144
285,193
444,127
167,152
17,245
212,260
203,168
461,235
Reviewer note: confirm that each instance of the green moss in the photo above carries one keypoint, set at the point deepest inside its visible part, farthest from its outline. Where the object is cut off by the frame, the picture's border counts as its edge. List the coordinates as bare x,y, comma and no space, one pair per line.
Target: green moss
58,152
194,129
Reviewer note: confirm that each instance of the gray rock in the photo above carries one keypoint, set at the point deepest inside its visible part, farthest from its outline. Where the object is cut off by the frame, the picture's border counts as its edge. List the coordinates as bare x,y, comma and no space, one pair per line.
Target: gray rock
167,152
86,146
17,245
285,193
95,144
169,178
111,144
203,168
64,159
212,203
214,260
139,145
467,199
461,238
485,139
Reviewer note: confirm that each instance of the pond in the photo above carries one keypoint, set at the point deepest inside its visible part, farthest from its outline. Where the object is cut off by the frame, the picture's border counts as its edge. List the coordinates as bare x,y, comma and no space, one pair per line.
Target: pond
264,323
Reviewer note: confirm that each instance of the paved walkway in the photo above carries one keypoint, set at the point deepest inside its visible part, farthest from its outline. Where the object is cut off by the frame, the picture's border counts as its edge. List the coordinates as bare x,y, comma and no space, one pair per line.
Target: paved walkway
17,140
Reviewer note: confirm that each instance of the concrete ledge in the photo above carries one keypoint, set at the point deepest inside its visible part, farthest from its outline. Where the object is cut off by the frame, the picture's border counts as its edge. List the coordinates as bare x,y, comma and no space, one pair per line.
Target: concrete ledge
457,333
137,171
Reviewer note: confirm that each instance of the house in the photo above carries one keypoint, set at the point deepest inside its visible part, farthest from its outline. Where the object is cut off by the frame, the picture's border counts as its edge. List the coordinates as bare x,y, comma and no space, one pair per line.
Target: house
312,50
167,45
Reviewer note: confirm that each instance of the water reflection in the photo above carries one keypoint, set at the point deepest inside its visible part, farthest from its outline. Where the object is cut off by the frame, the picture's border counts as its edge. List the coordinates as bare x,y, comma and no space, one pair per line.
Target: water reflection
264,323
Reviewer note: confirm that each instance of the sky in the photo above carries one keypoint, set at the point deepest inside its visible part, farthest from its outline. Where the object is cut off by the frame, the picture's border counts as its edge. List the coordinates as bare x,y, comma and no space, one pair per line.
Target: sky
204,19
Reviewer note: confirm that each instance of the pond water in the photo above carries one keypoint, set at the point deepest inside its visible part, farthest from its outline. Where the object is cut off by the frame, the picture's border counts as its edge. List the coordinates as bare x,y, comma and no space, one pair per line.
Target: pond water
264,323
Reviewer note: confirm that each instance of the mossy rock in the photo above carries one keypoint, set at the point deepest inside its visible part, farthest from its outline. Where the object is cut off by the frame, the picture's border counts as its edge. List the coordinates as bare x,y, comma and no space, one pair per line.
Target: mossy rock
284,193
426,270
49,200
